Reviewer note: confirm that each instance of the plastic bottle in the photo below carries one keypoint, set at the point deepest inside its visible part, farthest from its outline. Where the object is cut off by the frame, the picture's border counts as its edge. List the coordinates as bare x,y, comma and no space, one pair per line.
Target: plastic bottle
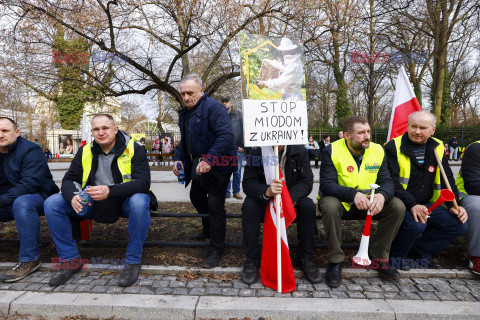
181,173
84,200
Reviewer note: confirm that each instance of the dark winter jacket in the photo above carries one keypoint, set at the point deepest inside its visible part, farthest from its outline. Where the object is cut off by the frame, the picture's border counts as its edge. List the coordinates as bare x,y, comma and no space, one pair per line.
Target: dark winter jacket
27,171
471,169
298,174
211,138
109,210
420,184
236,119
329,180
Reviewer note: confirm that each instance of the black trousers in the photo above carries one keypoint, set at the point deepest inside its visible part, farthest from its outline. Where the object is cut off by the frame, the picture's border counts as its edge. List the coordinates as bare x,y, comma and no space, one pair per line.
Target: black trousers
253,213
208,197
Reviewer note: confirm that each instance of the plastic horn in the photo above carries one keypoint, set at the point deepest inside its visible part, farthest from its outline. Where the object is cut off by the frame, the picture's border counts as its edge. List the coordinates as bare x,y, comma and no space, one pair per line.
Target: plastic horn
361,258
445,195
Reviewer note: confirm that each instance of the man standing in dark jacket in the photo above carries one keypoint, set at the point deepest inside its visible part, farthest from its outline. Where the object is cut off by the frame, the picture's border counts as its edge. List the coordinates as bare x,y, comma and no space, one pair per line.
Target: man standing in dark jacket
208,156
295,164
414,169
348,168
114,172
25,182
236,119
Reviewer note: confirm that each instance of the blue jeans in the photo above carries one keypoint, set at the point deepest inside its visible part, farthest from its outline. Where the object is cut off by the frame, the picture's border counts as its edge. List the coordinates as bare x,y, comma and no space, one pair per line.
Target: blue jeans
237,175
136,208
26,210
426,240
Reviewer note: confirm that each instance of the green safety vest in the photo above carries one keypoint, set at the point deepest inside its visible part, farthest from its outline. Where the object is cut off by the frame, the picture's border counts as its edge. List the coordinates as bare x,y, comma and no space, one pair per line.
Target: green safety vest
124,162
405,167
459,181
347,169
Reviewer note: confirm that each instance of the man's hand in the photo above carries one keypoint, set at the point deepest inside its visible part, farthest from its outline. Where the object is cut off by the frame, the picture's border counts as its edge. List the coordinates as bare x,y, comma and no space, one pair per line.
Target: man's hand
377,205
203,167
361,201
274,188
175,169
462,215
98,193
240,149
77,203
420,212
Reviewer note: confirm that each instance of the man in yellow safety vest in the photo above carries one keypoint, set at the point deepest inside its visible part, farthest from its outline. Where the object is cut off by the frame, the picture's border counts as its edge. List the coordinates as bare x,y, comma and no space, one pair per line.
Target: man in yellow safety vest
114,172
414,169
348,167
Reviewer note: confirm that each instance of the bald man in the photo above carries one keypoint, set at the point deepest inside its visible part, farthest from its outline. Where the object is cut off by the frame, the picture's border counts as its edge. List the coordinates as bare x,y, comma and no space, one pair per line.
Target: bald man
414,169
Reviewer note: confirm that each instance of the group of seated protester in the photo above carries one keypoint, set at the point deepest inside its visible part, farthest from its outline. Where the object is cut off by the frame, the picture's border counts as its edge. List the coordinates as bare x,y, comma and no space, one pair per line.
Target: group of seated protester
109,178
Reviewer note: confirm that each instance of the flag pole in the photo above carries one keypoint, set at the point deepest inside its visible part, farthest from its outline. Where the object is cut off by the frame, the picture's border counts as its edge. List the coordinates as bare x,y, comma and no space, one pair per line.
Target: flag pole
279,231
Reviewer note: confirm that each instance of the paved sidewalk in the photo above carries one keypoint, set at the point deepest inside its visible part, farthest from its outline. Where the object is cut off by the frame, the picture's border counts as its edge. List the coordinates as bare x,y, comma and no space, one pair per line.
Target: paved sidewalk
196,293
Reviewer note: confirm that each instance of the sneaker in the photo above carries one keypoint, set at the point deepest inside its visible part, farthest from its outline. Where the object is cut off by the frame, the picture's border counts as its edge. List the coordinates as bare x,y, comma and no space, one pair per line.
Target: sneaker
68,269
129,274
250,271
238,196
474,264
310,270
21,270
213,259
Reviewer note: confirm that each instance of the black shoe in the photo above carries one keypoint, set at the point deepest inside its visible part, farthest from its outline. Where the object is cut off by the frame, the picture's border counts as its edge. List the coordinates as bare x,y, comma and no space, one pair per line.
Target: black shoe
250,271
388,271
200,237
68,269
213,259
433,264
310,270
129,274
333,276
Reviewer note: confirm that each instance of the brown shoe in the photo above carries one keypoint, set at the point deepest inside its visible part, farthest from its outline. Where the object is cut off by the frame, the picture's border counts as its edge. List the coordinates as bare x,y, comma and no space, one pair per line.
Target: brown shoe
21,270
238,196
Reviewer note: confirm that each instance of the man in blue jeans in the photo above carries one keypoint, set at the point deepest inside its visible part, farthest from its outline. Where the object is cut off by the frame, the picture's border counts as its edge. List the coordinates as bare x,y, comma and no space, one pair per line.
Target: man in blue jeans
236,119
25,182
412,164
114,172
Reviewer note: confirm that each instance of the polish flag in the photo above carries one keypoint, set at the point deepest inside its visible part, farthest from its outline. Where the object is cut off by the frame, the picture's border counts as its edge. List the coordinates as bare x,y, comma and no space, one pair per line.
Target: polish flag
404,103
268,268
85,225
86,131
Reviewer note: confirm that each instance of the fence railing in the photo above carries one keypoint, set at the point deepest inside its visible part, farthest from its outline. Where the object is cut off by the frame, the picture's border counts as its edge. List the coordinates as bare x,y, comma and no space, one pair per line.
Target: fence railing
465,135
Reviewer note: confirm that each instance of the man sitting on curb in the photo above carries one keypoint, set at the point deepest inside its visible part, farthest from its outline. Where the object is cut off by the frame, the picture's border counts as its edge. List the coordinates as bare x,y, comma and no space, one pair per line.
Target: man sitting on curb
25,182
468,184
348,168
117,176
294,162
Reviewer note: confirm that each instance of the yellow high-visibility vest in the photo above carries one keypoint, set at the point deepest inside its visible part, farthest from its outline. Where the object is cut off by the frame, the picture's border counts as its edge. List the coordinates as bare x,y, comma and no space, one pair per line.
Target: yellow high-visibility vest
459,181
347,169
405,167
124,162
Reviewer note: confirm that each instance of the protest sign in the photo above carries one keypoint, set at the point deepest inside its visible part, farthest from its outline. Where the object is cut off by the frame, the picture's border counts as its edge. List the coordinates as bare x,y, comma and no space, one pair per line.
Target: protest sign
273,91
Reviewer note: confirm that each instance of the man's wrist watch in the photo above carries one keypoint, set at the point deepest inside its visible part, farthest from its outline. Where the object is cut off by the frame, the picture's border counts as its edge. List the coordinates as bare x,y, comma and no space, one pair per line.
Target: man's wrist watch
264,196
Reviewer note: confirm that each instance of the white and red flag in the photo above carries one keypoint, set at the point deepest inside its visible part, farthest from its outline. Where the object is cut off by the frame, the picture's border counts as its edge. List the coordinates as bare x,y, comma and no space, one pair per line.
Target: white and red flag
268,268
404,103
86,133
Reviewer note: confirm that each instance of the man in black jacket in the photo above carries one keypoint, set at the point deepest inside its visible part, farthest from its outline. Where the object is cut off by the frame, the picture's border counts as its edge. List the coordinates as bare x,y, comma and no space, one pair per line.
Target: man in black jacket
349,166
25,182
295,164
114,172
412,164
